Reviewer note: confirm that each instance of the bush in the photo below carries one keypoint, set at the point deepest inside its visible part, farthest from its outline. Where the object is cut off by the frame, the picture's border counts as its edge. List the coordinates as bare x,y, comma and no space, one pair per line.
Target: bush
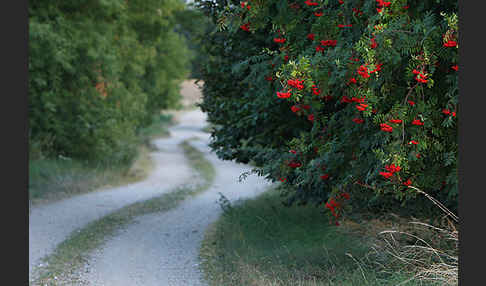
336,97
98,71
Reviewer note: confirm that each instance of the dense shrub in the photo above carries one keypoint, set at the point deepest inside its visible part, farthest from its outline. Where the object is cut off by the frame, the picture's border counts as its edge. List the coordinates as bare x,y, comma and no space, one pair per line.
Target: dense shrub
98,70
335,97
191,23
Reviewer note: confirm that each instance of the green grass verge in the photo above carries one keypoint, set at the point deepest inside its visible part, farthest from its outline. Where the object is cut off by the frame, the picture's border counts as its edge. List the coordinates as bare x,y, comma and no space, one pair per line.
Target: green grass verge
62,266
52,179
199,162
261,242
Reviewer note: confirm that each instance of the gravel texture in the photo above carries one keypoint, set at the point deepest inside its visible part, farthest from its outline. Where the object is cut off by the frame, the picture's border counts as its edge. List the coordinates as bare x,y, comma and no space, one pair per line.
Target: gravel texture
162,248
52,223
157,249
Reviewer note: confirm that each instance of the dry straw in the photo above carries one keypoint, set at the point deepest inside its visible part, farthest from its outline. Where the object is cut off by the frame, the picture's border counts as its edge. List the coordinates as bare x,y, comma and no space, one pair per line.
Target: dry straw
431,259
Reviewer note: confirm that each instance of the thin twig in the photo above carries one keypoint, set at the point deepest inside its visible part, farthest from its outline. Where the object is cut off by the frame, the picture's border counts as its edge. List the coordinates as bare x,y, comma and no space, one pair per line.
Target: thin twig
410,92
436,202
402,31
359,265
403,131
416,237
365,185
428,225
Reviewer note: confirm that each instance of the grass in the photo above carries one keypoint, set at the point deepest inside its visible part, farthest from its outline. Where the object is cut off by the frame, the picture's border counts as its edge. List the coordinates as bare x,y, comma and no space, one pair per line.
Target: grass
209,128
198,162
52,179
62,266
261,242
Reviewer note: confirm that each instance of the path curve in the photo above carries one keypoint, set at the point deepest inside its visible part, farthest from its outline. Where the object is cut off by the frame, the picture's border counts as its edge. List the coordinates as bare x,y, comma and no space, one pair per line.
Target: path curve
50,224
158,249
162,248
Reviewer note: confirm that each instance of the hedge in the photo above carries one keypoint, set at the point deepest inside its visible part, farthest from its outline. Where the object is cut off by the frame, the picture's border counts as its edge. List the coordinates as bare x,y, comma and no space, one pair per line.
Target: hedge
337,99
98,71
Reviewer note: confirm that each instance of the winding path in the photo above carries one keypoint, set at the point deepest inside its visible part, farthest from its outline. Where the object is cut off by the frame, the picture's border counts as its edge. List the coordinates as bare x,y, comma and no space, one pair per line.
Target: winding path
162,248
51,224
158,249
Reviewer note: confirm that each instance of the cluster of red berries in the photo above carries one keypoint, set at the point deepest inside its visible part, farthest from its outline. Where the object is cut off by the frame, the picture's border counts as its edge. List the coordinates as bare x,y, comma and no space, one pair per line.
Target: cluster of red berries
390,170
245,5
334,205
310,3
381,4
296,83
420,76
245,27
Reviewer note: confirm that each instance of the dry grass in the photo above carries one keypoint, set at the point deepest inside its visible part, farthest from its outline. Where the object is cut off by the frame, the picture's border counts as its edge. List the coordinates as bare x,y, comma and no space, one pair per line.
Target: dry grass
55,179
429,254
427,251
260,242
142,166
433,255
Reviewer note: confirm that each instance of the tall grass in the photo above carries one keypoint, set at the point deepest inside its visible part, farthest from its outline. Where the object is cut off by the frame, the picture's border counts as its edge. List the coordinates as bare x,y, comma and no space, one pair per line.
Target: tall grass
428,252
261,242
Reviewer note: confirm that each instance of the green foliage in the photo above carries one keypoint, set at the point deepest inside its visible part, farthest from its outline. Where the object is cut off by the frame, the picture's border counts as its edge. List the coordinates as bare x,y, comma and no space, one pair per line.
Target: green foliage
191,23
98,71
59,177
244,70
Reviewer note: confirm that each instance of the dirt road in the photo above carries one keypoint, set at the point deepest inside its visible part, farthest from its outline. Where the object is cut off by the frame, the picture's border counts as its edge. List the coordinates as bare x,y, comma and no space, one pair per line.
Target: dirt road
158,249
162,249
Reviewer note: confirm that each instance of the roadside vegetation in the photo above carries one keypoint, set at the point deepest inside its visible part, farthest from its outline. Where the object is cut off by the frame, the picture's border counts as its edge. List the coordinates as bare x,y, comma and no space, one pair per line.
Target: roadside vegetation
55,178
63,265
100,72
262,242
350,106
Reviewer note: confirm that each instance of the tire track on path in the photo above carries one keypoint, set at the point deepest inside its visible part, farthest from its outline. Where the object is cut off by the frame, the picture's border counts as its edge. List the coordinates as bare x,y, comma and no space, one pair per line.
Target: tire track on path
163,248
51,224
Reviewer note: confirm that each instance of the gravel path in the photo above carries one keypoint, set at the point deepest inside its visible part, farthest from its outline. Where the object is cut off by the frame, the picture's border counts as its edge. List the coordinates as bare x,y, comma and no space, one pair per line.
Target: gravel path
158,249
162,249
51,224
